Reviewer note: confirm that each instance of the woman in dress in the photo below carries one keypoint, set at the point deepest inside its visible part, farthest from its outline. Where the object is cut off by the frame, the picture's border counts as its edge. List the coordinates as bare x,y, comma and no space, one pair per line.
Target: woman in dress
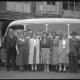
63,51
55,60
45,47
21,48
34,49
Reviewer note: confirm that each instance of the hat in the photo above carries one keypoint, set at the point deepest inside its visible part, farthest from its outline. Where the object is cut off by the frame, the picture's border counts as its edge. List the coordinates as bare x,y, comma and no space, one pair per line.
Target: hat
73,33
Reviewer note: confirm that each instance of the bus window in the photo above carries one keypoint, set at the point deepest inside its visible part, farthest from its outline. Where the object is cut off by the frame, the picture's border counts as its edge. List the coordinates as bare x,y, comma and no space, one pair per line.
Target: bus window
15,28
58,27
75,27
37,27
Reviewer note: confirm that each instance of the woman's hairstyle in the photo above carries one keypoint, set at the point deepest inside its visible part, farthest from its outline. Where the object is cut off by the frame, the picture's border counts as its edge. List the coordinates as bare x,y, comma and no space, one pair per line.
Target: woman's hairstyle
34,33
25,31
65,35
53,32
45,33
40,31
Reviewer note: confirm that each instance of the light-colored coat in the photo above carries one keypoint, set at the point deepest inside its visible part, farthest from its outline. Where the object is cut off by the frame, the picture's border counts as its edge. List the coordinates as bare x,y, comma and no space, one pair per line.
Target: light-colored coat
31,50
63,52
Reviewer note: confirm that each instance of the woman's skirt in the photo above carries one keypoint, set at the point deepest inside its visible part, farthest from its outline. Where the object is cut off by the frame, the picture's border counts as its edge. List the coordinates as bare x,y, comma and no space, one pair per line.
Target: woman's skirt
63,57
55,59
22,57
45,56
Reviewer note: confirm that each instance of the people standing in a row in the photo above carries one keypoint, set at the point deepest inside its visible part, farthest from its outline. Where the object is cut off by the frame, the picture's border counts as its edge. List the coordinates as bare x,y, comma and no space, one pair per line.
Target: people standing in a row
42,49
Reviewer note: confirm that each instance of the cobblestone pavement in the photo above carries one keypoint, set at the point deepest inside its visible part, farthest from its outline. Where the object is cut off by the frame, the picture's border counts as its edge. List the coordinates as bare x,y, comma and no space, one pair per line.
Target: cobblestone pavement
37,75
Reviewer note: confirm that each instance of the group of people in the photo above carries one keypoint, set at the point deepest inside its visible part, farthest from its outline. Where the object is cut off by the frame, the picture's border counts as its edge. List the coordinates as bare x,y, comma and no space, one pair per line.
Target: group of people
31,48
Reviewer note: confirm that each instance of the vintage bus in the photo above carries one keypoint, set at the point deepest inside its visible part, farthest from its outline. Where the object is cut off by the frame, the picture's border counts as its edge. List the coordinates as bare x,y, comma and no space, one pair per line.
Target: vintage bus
43,24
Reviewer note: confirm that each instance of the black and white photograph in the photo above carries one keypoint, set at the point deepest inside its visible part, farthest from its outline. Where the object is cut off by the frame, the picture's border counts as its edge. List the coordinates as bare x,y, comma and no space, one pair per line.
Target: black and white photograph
39,39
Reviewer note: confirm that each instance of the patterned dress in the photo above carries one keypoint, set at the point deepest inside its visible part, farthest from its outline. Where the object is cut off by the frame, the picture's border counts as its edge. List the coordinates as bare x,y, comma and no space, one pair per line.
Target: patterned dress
45,51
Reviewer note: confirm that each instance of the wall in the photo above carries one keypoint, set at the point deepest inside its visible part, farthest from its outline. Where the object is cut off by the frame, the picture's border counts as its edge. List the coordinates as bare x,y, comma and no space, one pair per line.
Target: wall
2,5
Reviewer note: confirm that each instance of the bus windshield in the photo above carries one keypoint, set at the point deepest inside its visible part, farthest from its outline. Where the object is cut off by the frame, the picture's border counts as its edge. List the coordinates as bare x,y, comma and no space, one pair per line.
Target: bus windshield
16,27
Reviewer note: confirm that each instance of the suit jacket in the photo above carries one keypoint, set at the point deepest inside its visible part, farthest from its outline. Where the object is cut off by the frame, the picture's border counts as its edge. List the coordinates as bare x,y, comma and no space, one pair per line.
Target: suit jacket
8,42
74,47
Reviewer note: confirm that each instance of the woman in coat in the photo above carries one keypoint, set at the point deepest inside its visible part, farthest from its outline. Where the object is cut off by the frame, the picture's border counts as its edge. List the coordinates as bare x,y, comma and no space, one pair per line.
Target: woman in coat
63,51
22,51
45,47
55,60
34,49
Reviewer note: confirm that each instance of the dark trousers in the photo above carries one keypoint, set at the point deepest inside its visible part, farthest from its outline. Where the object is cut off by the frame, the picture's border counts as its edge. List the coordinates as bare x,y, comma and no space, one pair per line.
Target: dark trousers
11,56
73,63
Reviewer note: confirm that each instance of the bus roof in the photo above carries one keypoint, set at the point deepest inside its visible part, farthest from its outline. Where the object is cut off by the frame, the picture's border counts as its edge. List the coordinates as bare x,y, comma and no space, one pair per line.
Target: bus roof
45,21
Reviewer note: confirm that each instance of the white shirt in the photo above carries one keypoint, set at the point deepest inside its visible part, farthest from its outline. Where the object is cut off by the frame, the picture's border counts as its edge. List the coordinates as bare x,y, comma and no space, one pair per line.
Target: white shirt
64,43
11,36
35,42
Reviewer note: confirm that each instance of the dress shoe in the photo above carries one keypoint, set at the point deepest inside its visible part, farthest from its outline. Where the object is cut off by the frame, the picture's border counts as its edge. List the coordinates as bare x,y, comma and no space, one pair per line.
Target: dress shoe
7,69
47,70
35,68
21,70
55,70
14,69
64,70
75,71
60,70
32,68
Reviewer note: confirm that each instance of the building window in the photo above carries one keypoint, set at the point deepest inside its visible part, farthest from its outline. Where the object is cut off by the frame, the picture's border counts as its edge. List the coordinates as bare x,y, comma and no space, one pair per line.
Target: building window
49,2
65,5
16,7
19,7
41,8
53,2
71,6
8,6
77,6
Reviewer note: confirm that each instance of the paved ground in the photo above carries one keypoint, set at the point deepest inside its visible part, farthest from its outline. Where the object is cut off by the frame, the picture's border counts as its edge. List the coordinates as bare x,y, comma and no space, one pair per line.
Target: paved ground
37,75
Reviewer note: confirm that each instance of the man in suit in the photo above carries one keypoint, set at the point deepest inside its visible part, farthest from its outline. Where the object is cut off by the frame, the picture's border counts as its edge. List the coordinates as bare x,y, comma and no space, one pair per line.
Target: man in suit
74,52
9,43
